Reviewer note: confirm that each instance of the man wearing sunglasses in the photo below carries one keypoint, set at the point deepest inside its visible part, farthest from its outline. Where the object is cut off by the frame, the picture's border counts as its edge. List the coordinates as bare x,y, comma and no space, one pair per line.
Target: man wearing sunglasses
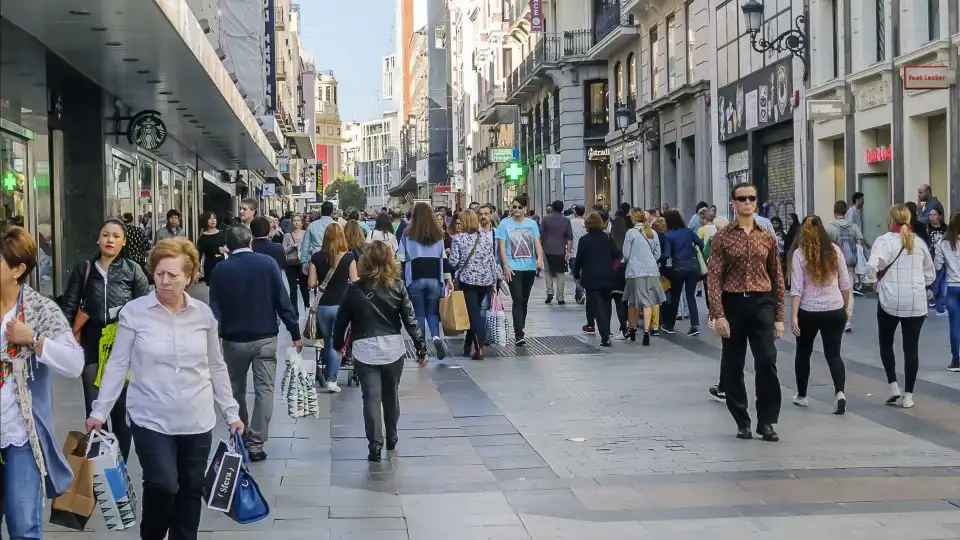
745,285
521,254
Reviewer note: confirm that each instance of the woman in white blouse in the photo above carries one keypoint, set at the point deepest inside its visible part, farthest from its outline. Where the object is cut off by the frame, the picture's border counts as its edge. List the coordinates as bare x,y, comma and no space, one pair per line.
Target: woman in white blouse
901,264
168,343
383,231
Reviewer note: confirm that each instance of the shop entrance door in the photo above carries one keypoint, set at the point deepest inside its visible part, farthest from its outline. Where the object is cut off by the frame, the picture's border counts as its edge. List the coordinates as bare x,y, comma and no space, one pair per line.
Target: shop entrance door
13,180
121,186
876,205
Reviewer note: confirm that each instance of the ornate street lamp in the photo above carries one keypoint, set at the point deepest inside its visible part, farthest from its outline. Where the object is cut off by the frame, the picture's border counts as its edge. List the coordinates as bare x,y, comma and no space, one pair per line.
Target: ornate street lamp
793,40
622,119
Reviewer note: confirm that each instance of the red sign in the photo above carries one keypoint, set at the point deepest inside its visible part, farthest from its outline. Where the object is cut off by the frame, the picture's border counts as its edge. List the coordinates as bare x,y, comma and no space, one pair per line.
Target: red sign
880,153
441,189
536,15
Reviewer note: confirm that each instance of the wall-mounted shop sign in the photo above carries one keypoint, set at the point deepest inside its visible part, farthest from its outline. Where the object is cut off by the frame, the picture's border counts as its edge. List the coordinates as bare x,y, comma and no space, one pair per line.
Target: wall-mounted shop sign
879,154
144,129
553,161
598,154
759,100
269,190
270,54
927,77
503,155
536,15
825,109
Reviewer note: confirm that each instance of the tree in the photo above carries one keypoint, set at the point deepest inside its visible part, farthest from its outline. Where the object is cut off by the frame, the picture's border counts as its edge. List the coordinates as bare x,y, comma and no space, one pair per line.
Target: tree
348,192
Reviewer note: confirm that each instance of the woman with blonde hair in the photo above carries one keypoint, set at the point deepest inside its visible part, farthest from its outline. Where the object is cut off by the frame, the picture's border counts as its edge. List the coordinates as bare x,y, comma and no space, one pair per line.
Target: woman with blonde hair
355,236
477,271
332,269
641,254
901,265
169,345
375,309
821,292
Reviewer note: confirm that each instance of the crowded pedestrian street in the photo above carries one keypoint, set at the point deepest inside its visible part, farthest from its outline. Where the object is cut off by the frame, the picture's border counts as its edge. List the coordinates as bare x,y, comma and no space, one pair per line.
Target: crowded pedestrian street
563,439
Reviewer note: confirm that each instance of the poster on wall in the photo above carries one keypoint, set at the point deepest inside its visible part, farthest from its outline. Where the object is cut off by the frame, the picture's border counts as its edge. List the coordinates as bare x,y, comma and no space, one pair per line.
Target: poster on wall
759,100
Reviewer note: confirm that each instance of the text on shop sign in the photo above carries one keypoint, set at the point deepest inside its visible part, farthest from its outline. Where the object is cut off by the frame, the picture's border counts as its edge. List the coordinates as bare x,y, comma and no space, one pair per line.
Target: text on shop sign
880,153
926,77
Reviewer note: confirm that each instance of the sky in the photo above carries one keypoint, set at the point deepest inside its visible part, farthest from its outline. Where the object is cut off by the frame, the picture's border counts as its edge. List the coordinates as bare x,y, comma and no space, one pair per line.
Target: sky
351,37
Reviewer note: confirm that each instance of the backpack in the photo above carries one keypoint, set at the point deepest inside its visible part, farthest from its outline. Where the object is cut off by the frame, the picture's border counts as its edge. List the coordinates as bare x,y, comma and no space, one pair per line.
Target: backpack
848,243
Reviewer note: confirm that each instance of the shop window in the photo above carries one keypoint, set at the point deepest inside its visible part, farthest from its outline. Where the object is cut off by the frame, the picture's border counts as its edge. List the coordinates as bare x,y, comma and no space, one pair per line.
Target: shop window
654,72
835,30
671,53
146,197
632,75
691,40
933,20
163,197
596,123
880,19
618,82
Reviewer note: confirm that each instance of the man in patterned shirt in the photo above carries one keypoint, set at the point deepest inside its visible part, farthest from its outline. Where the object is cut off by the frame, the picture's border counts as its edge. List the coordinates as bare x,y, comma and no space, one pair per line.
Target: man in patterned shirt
745,285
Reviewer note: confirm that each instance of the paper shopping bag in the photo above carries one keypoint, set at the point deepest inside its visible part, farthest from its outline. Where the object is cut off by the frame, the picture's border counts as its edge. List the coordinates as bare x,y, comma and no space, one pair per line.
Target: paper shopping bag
74,507
453,313
222,477
111,482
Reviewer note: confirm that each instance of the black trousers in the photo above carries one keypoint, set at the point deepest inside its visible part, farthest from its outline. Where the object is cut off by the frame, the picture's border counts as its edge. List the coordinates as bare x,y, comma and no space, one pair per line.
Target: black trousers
751,321
474,296
298,281
379,388
829,324
910,328
118,416
520,286
621,308
681,283
599,302
173,472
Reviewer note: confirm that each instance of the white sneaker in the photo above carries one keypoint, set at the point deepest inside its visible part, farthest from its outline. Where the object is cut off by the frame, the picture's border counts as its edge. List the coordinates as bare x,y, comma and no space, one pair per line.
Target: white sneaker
907,402
840,403
801,401
894,394
332,387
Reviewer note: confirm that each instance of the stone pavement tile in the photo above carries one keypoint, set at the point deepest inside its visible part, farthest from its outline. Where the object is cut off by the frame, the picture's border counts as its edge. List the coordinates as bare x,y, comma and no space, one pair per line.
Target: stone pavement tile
792,491
545,484
889,527
492,420
466,473
419,461
612,498
523,449
347,512
696,495
369,535
318,523
514,475
487,532
366,524
544,501
302,534
427,485
453,511
724,528
496,440
514,462
340,496
554,528
491,429
380,482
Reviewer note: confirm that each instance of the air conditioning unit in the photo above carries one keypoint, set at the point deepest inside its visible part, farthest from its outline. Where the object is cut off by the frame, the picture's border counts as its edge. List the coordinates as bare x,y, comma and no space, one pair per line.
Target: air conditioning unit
221,54
205,25
234,78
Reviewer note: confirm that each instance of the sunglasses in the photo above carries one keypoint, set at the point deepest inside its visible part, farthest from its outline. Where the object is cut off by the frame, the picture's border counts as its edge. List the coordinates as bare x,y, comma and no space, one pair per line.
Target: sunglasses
745,198
516,207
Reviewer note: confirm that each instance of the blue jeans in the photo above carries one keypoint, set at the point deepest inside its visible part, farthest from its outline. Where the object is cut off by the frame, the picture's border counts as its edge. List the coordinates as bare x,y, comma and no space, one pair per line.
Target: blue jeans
22,494
953,310
326,317
425,295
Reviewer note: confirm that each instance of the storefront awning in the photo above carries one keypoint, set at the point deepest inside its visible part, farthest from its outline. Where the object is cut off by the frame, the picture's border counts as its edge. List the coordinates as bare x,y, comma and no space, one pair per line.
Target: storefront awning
407,185
305,147
153,55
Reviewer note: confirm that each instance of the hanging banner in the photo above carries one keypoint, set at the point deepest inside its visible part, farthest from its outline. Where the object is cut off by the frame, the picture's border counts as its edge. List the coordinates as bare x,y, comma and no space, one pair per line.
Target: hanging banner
536,15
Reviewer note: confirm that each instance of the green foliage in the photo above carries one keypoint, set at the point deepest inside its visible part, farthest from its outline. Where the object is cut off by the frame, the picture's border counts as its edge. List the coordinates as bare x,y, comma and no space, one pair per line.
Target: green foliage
348,191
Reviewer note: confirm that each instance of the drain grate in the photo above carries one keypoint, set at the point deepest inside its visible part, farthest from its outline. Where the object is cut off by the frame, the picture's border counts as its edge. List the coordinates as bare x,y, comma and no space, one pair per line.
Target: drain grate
536,346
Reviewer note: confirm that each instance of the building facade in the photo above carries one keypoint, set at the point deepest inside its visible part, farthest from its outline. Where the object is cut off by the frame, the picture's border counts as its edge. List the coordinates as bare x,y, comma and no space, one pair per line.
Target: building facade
375,160
329,130
880,128
350,149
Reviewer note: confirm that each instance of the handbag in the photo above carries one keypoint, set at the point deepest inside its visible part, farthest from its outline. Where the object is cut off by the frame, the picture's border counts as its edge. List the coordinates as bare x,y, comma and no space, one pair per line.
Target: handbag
81,317
310,330
249,504
882,272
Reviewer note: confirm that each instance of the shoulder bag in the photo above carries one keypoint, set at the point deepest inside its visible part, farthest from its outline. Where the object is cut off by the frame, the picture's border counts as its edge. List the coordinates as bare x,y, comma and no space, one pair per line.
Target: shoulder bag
883,271
310,330
81,317
469,256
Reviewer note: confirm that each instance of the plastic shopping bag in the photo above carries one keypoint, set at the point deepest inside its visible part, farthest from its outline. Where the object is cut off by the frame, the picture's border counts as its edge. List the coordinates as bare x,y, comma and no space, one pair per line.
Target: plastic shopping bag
861,266
111,483
298,387
496,322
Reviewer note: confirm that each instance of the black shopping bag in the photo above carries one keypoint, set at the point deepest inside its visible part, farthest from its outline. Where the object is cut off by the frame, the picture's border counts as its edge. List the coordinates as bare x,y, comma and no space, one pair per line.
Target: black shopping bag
220,481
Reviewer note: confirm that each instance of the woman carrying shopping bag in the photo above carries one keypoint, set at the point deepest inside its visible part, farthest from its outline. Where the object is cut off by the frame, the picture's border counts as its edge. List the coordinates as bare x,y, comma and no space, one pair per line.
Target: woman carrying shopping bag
35,342
169,344
375,309
477,272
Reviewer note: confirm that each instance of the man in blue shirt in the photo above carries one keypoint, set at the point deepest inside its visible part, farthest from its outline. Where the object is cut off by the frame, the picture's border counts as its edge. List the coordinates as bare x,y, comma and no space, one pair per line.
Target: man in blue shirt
521,255
246,298
313,236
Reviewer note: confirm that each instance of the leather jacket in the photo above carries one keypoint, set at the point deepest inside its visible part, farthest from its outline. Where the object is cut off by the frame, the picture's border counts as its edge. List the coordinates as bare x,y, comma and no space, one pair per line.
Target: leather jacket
371,310
125,281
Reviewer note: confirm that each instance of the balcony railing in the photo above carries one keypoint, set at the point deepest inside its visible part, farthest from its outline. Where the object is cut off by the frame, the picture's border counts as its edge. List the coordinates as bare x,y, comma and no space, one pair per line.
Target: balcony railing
281,69
481,160
550,49
518,10
608,20
280,18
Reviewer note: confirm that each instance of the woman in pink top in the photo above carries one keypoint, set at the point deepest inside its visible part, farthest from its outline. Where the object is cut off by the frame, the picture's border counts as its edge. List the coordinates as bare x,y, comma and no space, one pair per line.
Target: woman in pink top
821,290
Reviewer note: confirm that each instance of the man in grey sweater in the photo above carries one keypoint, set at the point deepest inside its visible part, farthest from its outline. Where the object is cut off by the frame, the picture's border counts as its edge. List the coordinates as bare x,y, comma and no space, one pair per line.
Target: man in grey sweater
556,235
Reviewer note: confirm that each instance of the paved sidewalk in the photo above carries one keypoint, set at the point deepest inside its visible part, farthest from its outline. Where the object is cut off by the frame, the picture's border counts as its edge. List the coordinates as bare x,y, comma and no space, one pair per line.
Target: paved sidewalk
576,442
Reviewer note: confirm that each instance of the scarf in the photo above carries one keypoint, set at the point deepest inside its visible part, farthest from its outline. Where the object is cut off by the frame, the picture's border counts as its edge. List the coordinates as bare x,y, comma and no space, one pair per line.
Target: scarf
44,316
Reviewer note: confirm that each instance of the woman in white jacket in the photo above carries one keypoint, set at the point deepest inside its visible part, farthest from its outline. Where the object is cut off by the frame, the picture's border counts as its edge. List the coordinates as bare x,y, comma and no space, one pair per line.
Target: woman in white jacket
901,265
383,232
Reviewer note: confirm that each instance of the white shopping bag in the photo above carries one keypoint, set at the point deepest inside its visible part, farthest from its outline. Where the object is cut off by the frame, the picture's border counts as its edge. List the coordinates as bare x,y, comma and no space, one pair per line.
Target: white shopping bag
496,322
111,483
298,387
861,266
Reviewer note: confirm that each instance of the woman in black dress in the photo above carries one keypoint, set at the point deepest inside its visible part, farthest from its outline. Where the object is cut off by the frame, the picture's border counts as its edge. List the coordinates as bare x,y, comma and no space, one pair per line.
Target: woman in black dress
211,243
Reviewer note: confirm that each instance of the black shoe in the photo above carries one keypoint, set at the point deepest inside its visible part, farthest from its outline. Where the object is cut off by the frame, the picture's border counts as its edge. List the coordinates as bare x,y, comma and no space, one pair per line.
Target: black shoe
375,450
666,330
744,433
717,394
632,334
520,339
561,302
467,346
605,342
680,317
645,341
549,299
766,431
655,332
441,350
392,444
694,331
257,455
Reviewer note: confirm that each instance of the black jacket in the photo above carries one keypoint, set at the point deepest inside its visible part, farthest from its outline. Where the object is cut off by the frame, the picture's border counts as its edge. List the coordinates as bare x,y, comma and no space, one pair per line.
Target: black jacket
375,311
270,248
593,266
125,281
